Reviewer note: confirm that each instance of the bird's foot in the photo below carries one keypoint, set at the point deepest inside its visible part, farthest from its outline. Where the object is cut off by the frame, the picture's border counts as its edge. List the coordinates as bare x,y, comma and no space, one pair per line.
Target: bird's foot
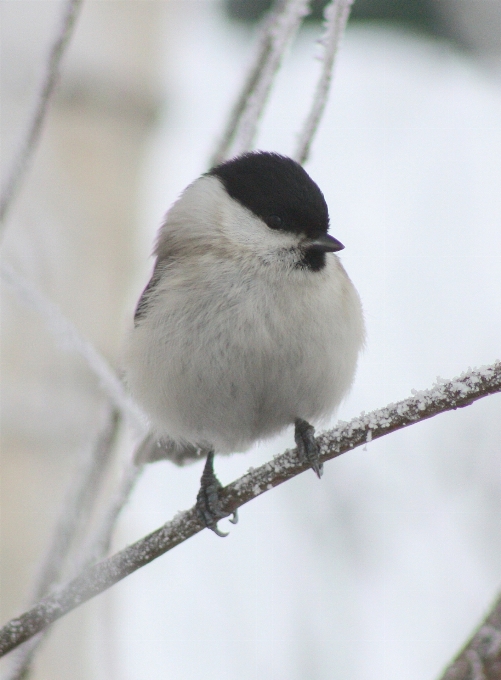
307,446
208,503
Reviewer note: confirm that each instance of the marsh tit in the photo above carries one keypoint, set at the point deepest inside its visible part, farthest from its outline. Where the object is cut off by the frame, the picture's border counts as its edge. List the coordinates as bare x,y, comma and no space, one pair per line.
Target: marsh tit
249,323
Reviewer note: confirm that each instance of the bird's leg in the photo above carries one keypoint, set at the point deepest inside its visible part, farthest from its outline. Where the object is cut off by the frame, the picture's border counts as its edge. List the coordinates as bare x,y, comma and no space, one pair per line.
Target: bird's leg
307,446
208,504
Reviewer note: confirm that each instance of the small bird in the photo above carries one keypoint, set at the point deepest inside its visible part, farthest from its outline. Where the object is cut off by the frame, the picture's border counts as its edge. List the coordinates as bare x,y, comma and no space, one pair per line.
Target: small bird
249,323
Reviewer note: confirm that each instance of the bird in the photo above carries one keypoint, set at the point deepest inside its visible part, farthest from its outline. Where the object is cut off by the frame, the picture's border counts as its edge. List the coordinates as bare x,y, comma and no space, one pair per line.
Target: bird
249,323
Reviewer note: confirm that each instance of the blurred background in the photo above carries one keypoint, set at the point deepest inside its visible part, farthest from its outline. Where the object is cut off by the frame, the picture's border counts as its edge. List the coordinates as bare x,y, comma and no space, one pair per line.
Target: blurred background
381,570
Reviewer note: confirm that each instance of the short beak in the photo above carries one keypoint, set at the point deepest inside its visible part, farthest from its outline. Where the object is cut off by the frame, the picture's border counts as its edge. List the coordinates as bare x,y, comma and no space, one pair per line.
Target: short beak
325,243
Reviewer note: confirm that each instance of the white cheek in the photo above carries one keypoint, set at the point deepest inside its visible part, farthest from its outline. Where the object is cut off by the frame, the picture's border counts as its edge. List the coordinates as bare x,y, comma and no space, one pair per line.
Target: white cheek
206,212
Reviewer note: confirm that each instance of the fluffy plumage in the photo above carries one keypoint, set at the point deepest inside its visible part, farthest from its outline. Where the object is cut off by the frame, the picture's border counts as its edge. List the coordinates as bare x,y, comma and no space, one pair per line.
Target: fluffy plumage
246,325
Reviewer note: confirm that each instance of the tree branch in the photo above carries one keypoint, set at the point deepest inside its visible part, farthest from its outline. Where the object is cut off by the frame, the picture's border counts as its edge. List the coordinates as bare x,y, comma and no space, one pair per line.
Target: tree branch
336,17
35,127
276,34
480,658
443,396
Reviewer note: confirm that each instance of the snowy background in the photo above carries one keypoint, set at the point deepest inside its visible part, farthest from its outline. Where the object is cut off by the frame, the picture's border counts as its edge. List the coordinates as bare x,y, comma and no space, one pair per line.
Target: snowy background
383,568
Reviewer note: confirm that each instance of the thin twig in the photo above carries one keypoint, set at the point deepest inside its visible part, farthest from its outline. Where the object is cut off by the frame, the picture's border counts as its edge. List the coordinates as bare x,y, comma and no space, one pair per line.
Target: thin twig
480,658
69,338
92,550
32,138
77,509
100,542
336,16
146,452
444,396
277,32
76,512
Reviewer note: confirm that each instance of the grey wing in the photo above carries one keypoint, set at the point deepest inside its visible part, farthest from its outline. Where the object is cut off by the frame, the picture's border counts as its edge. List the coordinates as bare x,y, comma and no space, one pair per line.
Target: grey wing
149,291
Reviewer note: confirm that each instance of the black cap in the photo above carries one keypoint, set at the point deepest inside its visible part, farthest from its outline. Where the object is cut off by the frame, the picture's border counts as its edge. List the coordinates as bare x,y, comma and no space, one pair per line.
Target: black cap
276,189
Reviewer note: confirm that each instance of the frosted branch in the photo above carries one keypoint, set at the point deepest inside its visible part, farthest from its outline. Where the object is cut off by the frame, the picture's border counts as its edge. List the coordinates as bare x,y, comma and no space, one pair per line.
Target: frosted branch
480,658
276,34
336,17
443,396
70,339
29,145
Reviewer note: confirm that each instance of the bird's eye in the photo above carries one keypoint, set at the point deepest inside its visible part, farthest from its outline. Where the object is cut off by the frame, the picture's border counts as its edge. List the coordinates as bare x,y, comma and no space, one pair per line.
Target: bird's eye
274,222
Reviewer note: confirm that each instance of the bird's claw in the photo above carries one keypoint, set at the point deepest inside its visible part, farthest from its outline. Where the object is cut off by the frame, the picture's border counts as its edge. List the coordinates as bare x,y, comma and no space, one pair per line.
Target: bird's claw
208,504
307,446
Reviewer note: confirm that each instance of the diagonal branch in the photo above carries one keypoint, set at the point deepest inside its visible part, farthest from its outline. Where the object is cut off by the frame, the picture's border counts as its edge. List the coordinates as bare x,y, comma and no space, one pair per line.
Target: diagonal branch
35,127
443,396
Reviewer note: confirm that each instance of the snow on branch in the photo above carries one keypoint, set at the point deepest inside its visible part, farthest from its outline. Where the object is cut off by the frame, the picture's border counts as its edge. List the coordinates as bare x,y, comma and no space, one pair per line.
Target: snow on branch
33,133
443,396
336,17
277,32
70,339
